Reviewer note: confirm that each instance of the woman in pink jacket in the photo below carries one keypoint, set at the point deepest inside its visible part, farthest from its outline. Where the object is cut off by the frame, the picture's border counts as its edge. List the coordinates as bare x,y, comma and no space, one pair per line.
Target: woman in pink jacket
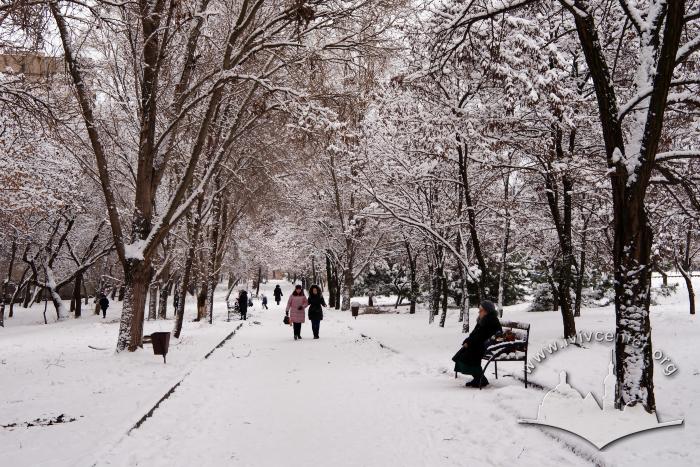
296,305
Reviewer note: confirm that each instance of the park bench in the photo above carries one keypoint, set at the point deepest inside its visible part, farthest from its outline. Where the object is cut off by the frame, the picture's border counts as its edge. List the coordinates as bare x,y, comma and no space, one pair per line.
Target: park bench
510,345
231,308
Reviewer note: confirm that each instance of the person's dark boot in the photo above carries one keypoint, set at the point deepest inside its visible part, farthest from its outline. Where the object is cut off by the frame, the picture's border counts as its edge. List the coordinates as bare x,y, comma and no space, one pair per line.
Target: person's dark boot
478,382
295,337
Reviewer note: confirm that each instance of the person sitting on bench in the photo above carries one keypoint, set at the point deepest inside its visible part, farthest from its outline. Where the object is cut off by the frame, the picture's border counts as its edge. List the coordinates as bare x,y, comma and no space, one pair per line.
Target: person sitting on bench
468,358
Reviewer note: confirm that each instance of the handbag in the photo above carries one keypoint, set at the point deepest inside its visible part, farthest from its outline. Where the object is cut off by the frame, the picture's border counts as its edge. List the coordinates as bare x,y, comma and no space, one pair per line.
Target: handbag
286,319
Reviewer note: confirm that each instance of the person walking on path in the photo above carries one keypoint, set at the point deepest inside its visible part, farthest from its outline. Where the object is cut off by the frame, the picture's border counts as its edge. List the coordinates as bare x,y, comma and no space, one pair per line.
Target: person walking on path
316,304
468,358
243,304
278,294
104,304
264,302
296,305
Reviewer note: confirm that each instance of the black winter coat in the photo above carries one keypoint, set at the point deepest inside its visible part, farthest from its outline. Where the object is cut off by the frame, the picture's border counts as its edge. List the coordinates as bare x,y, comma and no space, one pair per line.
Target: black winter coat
316,304
243,303
104,303
484,330
277,293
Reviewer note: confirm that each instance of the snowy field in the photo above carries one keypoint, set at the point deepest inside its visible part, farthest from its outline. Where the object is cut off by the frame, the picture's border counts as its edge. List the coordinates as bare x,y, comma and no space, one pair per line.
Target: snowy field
375,391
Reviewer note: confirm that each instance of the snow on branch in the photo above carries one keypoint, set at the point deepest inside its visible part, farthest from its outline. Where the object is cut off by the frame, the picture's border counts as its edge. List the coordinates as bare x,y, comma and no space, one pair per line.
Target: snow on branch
675,155
646,92
687,49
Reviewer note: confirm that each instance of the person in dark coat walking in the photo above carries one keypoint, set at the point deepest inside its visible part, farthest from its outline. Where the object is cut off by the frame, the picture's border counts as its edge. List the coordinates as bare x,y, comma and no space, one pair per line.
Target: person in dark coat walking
243,304
104,304
468,358
278,294
316,304
264,302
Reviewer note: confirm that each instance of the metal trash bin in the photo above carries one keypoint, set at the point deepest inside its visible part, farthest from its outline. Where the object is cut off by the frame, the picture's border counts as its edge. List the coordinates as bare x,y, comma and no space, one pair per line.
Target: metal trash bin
355,309
161,342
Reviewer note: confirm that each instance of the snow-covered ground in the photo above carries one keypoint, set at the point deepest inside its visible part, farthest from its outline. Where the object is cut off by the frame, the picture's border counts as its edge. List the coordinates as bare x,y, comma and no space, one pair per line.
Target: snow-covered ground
374,391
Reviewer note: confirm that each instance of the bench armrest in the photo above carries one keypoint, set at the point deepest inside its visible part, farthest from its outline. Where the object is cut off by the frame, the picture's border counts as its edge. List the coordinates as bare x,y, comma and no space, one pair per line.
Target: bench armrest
506,346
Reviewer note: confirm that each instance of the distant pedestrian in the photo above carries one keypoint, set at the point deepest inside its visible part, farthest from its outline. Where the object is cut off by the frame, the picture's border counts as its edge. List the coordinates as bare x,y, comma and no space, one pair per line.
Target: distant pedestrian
278,294
296,305
264,302
316,304
243,304
104,304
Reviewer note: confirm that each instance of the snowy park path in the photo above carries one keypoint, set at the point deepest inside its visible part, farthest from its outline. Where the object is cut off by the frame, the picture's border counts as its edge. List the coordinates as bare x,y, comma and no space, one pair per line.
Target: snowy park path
263,399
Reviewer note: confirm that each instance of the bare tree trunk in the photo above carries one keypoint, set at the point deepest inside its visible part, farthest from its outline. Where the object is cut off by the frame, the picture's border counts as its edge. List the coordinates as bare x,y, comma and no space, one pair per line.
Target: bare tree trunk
435,287
471,217
336,280
194,222
77,295
22,285
202,294
212,266
633,240
331,282
176,297
464,306
581,269
99,289
338,295
504,261
153,301
163,302
6,282
689,285
412,266
348,281
313,269
61,311
443,316
137,277
563,226
684,266
257,286
85,294
504,249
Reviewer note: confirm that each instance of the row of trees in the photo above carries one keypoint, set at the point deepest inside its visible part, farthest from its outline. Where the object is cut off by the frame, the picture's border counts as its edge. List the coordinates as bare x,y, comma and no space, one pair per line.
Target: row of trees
558,138
443,151
178,117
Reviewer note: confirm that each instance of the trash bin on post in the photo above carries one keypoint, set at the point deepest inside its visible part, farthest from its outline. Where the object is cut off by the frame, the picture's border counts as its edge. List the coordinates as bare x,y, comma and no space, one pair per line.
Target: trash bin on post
161,342
355,309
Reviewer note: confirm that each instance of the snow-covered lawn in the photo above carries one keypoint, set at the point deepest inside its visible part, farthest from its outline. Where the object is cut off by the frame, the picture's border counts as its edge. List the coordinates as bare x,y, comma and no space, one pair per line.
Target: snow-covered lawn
374,391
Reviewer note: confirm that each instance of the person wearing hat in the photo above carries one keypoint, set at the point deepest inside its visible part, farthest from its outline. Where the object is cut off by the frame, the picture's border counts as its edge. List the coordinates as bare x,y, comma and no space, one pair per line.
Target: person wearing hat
468,358
316,304
104,304
278,294
296,305
243,303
